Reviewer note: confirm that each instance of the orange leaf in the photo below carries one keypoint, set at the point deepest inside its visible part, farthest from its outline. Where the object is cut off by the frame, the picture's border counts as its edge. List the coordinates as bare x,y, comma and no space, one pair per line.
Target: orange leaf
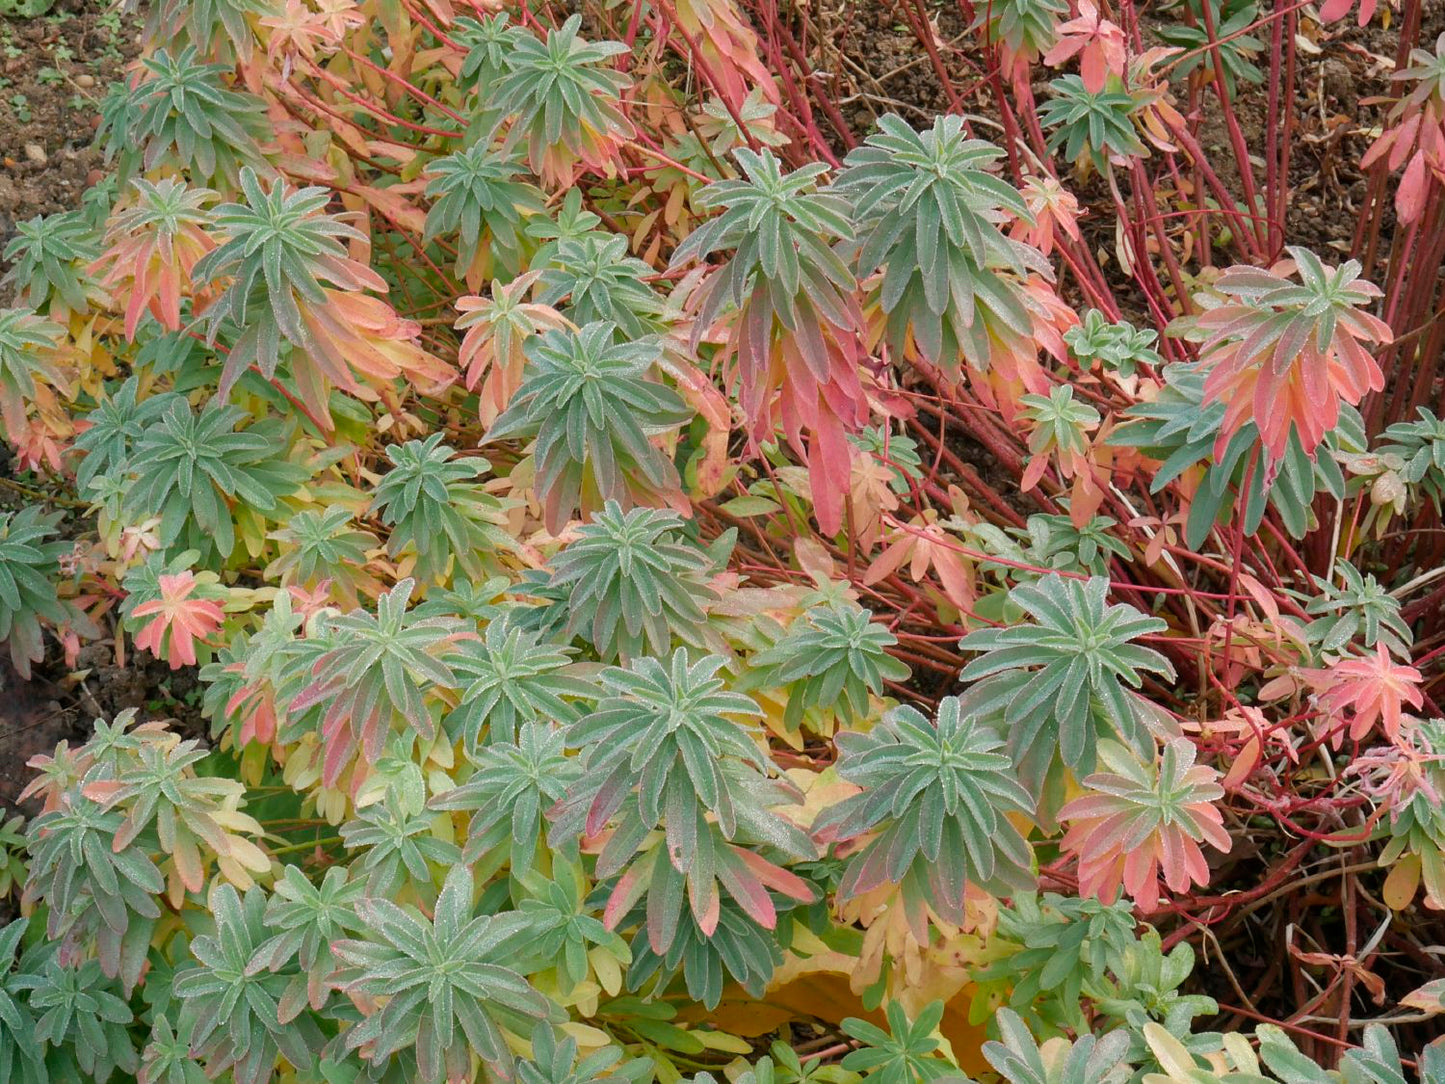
1402,883
394,205
1429,998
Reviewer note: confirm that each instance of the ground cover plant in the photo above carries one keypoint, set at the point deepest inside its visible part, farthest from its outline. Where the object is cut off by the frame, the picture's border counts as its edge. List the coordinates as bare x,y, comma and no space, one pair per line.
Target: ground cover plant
696,567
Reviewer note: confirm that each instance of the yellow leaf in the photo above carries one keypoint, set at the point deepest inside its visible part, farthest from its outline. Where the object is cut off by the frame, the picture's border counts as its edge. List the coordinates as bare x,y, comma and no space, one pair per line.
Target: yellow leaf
255,758
1241,1052
582,996
443,828
607,970
236,873
331,802
235,821
588,1038
821,790
644,226
806,943
251,528
774,707
1174,1058
720,1040
814,559
1402,883
817,987
246,855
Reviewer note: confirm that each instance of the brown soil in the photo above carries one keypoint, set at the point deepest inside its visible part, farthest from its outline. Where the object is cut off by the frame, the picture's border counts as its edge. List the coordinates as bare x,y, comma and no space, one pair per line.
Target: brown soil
1337,118
53,73
32,720
875,55
56,706
54,70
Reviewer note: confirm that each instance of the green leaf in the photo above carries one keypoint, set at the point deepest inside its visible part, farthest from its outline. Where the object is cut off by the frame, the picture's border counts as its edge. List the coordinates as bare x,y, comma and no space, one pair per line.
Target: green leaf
634,583
933,808
1065,680
587,401
450,972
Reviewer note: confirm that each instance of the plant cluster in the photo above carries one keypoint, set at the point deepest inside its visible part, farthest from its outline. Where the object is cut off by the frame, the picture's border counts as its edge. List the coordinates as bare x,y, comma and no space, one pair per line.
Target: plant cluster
671,576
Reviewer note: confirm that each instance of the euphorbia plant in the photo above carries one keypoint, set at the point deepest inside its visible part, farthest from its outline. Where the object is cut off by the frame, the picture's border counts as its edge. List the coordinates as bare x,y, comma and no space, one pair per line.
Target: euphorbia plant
931,210
1143,820
1285,355
369,672
25,370
894,571
153,247
49,264
184,613
793,333
1416,135
1088,665
277,251
595,415
940,792
559,96
478,198
179,111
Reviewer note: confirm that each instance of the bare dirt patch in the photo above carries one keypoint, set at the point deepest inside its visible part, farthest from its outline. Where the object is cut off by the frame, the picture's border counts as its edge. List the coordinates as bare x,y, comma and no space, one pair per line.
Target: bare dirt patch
54,70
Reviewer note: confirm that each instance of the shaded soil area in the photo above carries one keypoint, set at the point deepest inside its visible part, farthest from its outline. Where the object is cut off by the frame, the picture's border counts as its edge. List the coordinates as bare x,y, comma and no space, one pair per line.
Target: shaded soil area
873,55
60,701
54,70
32,720
57,705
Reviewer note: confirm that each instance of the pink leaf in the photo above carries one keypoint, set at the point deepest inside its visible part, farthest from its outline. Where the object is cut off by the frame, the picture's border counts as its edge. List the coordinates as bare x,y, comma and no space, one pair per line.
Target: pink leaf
1410,196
